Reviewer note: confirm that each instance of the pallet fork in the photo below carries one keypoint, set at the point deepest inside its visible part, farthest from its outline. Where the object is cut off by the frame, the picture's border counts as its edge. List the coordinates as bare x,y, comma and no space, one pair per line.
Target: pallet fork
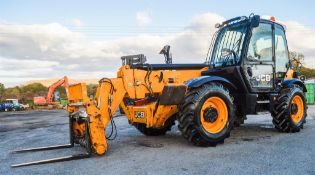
59,159
86,124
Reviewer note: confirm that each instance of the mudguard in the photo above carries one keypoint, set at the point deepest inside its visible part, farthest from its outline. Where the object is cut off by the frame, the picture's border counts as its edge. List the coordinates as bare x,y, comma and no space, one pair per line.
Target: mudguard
287,83
199,81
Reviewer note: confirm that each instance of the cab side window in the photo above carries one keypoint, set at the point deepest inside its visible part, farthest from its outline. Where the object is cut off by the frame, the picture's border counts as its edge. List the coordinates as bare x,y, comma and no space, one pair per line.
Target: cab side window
281,52
260,45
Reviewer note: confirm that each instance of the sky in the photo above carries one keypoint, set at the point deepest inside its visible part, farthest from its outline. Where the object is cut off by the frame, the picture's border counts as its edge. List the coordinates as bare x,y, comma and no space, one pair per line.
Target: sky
41,39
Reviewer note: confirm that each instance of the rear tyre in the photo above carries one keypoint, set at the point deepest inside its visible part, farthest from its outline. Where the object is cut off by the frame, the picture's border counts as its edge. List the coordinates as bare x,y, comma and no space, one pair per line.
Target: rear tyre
206,115
156,131
290,110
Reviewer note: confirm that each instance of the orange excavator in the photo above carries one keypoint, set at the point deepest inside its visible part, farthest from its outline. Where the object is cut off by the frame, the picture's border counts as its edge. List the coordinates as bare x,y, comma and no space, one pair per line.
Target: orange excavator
48,100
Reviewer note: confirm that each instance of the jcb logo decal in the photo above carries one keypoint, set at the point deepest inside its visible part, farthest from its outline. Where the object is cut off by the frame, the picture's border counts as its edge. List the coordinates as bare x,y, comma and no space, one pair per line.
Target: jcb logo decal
263,78
139,114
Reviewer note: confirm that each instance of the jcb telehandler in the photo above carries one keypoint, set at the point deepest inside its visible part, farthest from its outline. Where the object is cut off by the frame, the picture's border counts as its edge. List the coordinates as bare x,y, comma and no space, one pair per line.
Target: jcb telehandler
247,71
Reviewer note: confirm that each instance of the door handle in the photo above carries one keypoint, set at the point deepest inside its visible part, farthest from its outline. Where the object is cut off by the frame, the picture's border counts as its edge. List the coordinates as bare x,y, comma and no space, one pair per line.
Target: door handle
249,71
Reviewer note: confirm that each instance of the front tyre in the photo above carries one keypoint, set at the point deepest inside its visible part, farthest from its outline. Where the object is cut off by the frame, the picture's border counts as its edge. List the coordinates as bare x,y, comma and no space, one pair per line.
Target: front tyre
206,115
290,110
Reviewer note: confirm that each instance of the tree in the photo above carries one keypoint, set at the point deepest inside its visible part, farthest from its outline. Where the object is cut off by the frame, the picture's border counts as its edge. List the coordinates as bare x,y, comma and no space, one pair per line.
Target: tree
14,92
28,92
2,89
308,72
297,61
35,88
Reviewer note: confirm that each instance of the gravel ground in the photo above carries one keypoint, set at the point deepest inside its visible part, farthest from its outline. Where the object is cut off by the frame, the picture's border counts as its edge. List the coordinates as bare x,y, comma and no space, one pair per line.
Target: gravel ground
254,148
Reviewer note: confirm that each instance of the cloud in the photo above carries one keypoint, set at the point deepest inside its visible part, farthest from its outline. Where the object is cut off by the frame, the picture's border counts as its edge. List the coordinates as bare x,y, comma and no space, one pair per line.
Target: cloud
301,39
143,18
30,52
15,71
77,22
43,42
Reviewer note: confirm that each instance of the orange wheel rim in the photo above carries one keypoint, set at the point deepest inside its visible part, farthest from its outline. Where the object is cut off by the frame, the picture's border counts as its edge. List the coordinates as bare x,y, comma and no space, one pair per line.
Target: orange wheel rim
217,123
297,109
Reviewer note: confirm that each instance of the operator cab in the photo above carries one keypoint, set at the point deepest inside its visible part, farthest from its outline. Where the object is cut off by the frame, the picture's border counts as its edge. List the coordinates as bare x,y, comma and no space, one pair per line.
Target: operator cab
252,54
253,48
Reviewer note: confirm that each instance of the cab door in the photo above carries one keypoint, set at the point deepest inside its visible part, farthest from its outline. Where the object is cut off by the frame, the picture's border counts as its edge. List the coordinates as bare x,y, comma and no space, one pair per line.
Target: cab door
281,53
259,62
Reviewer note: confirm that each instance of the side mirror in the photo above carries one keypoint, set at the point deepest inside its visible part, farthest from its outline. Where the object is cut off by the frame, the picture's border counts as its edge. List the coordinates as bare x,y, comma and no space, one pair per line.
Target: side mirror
255,20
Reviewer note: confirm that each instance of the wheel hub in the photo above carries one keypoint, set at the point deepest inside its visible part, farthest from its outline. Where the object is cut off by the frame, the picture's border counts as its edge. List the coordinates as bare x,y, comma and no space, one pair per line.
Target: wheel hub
294,109
211,115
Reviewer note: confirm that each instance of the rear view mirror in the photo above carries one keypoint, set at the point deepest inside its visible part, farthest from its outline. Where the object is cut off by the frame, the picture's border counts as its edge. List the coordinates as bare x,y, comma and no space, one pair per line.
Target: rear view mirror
255,20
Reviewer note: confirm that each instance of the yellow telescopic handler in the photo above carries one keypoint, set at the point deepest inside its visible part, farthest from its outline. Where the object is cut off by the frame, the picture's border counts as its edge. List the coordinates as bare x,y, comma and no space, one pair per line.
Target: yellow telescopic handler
247,70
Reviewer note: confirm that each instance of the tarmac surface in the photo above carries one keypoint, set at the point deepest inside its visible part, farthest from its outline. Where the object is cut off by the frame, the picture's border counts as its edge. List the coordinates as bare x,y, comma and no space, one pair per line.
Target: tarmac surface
254,148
